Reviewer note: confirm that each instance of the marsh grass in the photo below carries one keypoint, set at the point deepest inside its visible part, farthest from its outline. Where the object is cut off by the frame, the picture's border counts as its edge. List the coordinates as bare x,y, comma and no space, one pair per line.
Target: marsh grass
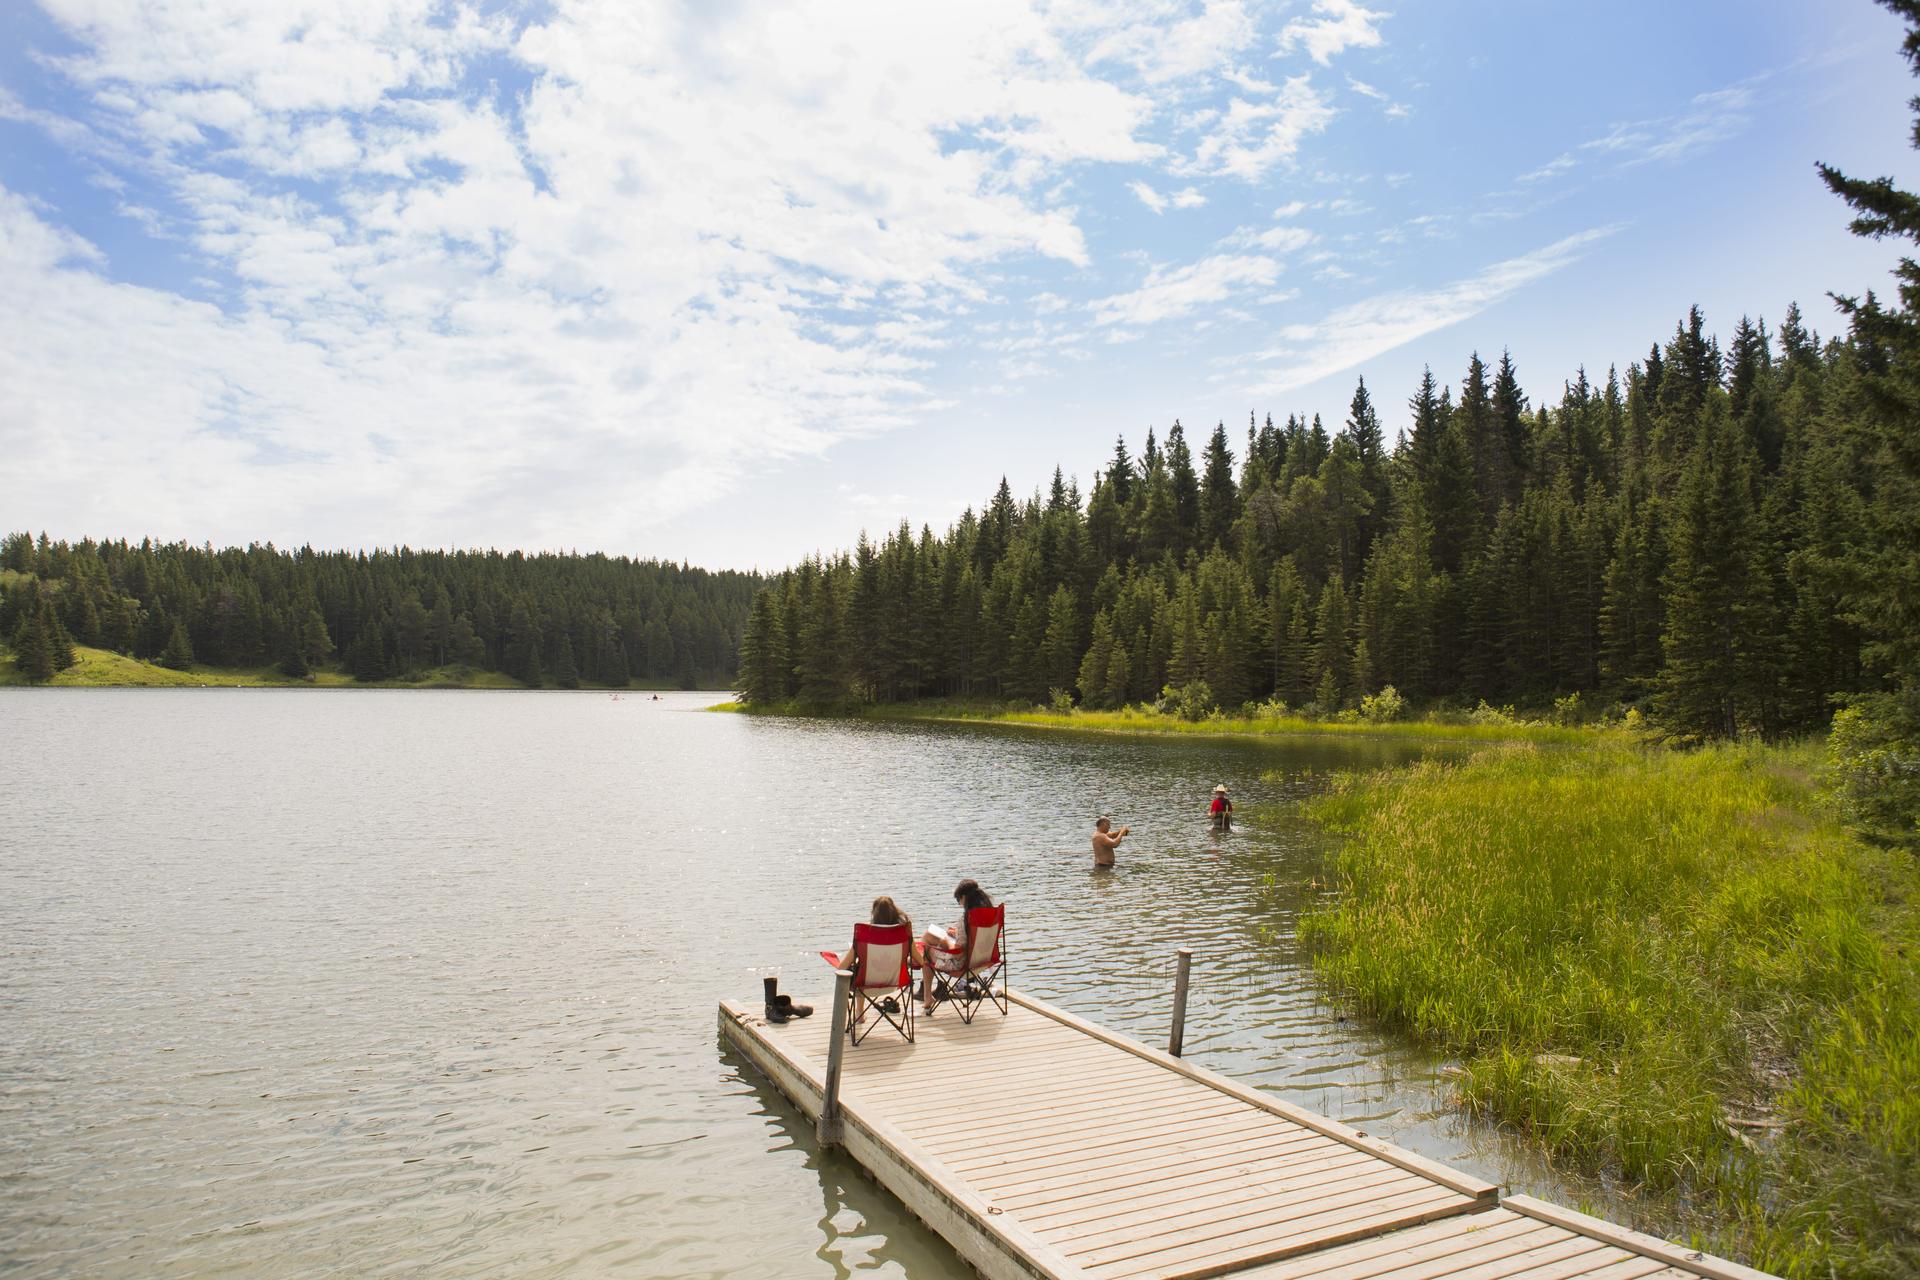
1670,966
1136,720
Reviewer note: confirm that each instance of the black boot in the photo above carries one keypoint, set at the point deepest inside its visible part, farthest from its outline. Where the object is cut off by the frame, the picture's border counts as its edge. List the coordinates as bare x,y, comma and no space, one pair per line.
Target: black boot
776,1013
792,1009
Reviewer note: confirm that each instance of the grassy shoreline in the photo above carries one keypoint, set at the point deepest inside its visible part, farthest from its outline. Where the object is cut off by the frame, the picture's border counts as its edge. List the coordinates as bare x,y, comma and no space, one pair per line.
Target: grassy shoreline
1672,967
105,669
1134,720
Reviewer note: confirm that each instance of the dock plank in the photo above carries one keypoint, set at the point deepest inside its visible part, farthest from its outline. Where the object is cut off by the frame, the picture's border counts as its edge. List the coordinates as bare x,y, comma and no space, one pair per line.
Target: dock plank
1041,1145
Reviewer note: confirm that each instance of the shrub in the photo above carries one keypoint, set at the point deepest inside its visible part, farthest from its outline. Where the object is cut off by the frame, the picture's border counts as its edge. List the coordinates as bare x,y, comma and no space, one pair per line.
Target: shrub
1191,701
1484,714
1874,747
1060,702
1271,709
1382,707
1567,710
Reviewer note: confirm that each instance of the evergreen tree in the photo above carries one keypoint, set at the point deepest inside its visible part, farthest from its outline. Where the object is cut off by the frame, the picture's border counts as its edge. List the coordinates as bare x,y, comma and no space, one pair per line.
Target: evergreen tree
1184,489
1369,450
1120,472
566,672
1219,495
1512,438
178,653
1332,658
1119,675
33,647
1702,691
1063,648
1092,681
818,657
763,652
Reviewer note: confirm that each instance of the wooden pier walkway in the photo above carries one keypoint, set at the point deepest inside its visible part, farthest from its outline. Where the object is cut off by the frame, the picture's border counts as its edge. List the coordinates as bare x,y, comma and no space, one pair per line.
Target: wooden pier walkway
1039,1144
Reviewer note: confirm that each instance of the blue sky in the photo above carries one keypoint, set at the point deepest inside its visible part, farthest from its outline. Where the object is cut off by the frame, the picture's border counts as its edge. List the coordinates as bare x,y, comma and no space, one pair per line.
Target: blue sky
729,283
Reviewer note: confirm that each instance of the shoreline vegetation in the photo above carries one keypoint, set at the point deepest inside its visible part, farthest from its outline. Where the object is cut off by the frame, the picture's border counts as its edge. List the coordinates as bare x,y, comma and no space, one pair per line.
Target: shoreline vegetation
1675,968
1484,724
105,669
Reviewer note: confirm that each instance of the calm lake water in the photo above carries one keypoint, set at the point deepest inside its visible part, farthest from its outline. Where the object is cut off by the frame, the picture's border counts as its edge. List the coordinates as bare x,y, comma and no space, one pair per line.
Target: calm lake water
398,983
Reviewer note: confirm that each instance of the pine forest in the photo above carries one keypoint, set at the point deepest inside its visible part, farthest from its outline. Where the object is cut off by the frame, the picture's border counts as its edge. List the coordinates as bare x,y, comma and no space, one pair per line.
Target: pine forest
1686,534
563,620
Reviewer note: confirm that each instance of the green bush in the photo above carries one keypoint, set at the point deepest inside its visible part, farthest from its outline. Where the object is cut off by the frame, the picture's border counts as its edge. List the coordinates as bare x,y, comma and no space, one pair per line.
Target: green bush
1191,701
1383,707
1874,748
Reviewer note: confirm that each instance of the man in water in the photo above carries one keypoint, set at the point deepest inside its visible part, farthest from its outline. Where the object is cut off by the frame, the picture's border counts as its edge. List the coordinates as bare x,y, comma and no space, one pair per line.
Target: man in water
1105,841
1222,809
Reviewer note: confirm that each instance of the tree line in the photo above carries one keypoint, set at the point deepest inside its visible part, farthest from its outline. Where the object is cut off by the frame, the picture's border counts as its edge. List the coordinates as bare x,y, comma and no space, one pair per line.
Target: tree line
1684,533
545,619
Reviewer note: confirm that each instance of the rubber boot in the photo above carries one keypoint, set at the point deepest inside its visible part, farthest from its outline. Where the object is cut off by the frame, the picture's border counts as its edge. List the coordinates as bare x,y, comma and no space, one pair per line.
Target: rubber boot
776,1012
794,1009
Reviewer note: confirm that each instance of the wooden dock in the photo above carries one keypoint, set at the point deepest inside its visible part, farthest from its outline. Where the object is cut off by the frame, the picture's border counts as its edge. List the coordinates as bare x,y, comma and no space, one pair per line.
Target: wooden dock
1039,1144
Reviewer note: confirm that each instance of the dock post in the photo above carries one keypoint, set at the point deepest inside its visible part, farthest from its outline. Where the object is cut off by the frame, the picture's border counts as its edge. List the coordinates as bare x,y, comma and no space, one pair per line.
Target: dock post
1178,1035
827,1129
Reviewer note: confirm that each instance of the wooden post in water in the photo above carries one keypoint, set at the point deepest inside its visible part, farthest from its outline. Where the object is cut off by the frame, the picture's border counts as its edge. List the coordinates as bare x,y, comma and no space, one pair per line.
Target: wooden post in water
1179,1032
827,1129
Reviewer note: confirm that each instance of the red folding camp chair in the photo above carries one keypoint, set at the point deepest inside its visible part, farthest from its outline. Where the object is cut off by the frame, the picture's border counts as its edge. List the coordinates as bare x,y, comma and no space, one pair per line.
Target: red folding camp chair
882,962
976,973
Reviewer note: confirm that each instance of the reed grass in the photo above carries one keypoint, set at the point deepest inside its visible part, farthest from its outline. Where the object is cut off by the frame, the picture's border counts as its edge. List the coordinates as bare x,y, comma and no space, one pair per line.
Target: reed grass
1675,967
1138,720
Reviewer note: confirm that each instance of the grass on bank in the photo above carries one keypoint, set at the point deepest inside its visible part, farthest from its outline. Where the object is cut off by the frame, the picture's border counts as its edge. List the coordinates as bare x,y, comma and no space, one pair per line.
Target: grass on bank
1492,728
1671,965
105,669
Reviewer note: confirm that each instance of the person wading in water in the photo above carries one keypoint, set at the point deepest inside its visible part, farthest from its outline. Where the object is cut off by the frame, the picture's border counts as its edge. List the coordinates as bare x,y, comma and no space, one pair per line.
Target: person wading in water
1221,809
1105,841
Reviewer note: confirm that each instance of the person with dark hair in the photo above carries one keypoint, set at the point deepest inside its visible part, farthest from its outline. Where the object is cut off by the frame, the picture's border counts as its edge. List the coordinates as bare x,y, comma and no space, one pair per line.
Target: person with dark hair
1106,840
969,895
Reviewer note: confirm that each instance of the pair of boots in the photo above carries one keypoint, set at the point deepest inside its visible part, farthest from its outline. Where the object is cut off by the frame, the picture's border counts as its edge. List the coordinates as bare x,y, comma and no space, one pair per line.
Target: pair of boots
781,1007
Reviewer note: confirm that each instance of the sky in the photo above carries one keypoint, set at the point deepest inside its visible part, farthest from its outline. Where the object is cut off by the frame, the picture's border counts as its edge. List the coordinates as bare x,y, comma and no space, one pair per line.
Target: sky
729,282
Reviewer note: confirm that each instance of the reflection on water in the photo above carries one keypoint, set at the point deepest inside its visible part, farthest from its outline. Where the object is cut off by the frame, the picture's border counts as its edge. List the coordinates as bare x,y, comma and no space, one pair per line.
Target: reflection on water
357,982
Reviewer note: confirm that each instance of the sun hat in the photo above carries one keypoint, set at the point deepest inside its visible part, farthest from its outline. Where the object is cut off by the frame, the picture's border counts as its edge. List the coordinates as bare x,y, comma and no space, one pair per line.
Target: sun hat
1221,787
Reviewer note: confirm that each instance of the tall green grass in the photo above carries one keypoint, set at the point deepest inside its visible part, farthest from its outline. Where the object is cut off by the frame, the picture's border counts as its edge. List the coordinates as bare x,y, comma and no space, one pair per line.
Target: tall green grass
1672,966
1138,720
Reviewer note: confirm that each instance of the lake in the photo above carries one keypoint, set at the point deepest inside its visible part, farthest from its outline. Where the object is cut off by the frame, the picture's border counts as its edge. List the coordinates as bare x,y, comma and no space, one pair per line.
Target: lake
371,982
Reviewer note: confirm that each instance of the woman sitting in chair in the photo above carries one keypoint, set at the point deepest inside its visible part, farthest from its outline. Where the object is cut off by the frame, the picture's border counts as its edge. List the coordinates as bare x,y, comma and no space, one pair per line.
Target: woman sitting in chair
951,938
884,912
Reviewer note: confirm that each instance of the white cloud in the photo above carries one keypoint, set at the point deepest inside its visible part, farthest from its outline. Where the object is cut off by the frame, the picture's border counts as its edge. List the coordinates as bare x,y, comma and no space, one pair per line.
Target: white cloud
1710,118
1551,169
1250,138
1292,208
1169,294
1186,198
1388,107
1148,196
1190,46
689,243
1285,239
1342,25
1365,329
